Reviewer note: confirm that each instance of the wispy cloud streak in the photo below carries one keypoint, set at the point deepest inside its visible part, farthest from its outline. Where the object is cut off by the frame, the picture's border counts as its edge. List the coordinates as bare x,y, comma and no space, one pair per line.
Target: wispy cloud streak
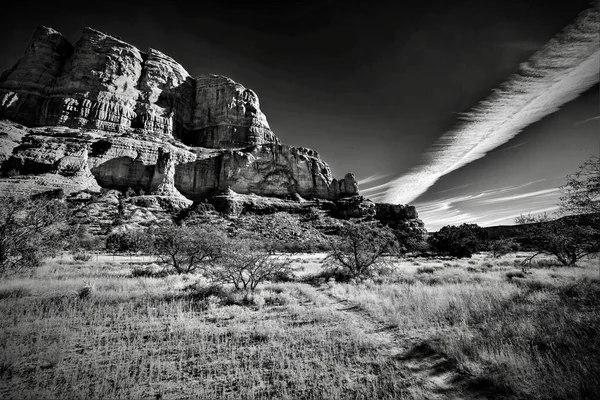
564,68
372,178
586,121
488,207
505,199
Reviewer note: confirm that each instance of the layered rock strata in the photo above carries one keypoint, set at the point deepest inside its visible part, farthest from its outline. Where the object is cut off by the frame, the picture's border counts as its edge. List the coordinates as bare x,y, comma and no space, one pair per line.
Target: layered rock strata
269,170
227,115
138,105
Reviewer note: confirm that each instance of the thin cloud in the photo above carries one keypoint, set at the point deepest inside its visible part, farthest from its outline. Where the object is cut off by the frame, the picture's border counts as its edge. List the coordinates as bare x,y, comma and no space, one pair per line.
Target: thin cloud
512,147
538,193
372,178
488,207
558,73
454,188
586,121
510,219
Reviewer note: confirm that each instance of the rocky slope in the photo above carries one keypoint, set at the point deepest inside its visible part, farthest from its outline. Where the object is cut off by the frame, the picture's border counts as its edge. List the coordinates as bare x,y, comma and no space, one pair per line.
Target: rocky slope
101,114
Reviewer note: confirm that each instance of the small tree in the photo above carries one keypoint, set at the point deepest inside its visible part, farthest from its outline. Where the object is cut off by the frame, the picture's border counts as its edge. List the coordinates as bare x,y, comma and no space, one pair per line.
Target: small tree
30,229
576,235
569,239
458,241
247,263
410,239
581,193
81,241
503,246
133,241
186,248
360,249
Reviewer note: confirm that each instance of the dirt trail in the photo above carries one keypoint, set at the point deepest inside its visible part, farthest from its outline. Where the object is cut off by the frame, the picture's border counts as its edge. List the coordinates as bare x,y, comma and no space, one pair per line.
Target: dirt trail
435,376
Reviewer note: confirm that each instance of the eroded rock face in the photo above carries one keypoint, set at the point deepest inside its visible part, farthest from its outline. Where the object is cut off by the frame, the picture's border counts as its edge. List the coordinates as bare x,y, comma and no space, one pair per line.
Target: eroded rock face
227,115
167,99
130,116
268,170
24,88
98,87
91,161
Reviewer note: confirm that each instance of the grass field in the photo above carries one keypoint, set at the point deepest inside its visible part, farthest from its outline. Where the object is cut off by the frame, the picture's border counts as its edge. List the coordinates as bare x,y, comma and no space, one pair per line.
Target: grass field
432,329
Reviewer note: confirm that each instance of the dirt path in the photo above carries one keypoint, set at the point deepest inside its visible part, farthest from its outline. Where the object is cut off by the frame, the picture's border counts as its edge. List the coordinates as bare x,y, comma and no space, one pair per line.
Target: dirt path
435,376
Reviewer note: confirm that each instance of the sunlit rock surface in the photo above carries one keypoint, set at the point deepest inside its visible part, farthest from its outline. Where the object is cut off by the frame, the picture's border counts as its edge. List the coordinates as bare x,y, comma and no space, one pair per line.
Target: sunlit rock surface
138,120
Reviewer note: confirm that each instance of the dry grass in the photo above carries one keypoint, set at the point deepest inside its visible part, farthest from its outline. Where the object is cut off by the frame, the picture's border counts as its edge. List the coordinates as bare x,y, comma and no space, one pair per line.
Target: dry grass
91,330
523,337
151,338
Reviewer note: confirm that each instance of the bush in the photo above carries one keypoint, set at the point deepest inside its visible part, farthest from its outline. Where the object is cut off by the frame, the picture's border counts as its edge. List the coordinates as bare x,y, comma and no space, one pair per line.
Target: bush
133,241
247,263
458,241
186,248
148,272
82,256
425,270
30,229
515,274
359,251
502,247
410,240
569,239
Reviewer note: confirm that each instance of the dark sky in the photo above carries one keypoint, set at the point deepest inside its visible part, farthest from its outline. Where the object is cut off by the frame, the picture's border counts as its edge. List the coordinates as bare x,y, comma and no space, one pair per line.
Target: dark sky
368,85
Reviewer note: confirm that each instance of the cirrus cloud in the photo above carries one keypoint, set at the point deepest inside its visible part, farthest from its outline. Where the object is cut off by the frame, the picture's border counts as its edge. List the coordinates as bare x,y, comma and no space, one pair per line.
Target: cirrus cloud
564,68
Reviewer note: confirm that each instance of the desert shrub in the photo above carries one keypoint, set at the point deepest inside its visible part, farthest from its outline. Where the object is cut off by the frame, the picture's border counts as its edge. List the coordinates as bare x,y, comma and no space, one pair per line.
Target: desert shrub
132,241
186,248
247,263
30,229
129,192
312,214
148,272
359,251
515,274
546,263
86,291
425,270
569,239
202,292
82,256
410,240
501,247
458,241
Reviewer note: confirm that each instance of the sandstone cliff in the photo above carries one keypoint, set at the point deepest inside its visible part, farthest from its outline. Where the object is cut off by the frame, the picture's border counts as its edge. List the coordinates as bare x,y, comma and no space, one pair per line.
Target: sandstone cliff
139,120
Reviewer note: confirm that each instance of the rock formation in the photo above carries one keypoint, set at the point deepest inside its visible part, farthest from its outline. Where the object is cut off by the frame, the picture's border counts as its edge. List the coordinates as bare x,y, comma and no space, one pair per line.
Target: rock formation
227,115
103,114
137,113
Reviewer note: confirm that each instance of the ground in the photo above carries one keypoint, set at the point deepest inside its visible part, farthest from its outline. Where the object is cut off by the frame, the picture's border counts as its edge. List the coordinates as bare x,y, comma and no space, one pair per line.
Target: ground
430,329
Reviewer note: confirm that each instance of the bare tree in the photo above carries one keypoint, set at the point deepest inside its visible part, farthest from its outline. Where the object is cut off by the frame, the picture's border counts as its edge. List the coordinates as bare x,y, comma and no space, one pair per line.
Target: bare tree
246,263
582,190
503,246
360,249
30,229
577,234
569,239
186,248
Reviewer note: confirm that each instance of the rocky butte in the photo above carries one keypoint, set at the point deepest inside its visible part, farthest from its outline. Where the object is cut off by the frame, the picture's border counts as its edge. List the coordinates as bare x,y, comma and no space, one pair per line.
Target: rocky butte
103,114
